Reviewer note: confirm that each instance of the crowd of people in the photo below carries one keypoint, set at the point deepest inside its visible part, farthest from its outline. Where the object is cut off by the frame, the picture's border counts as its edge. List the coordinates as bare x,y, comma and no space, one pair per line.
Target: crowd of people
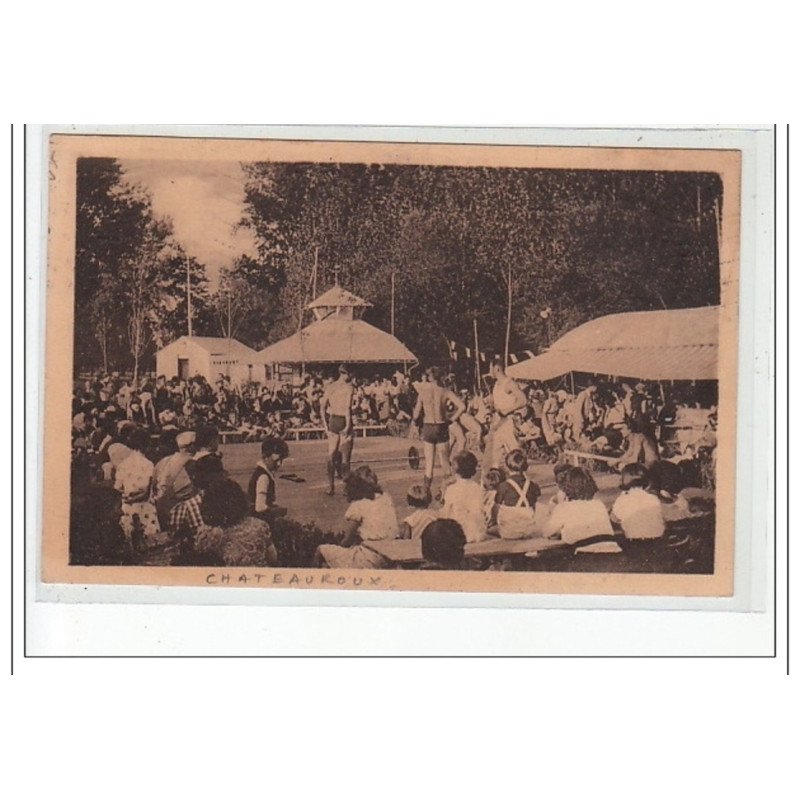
256,411
148,473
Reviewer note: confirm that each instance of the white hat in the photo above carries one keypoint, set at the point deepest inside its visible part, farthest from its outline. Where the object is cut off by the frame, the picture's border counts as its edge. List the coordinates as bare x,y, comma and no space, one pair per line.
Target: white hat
185,439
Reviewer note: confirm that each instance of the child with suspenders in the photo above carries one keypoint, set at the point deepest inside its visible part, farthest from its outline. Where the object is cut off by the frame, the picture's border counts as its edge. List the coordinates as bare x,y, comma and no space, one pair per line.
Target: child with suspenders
515,502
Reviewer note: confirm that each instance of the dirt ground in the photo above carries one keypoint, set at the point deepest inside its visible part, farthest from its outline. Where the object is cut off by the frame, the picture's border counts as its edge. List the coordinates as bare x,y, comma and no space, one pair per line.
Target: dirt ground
387,455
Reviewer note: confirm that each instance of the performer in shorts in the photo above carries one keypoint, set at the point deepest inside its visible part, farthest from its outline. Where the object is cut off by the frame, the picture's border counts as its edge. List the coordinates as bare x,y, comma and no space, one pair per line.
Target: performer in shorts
432,403
337,419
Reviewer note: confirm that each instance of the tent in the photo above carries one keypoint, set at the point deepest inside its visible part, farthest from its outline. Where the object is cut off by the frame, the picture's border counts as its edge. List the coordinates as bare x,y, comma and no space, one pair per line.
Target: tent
208,356
673,344
337,335
340,341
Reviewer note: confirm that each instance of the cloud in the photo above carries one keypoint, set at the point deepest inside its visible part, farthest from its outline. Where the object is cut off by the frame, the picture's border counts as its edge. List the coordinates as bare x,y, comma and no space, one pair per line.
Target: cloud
205,201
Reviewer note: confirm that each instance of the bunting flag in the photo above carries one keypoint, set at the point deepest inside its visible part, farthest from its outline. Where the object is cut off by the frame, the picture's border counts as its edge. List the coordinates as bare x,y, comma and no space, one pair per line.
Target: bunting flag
459,351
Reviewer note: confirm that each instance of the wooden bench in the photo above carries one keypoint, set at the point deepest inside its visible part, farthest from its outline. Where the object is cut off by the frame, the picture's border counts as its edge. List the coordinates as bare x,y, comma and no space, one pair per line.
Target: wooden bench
402,552
575,456
296,434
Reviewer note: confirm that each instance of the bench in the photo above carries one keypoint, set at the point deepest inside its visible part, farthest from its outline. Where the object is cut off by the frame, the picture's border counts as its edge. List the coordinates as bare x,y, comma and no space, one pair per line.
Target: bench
575,456
402,552
231,437
296,434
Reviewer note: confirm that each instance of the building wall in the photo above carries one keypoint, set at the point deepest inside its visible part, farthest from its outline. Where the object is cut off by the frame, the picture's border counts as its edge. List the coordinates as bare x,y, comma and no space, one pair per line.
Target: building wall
167,359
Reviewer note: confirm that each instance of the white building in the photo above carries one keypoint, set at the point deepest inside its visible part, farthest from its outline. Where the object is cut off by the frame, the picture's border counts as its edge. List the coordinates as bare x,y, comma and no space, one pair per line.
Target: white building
209,356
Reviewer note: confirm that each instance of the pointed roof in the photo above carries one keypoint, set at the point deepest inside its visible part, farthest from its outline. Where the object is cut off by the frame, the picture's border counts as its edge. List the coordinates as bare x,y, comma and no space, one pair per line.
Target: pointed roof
336,297
338,340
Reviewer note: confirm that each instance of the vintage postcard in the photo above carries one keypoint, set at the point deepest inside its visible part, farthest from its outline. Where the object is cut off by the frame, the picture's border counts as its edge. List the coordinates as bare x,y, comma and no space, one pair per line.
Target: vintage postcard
293,364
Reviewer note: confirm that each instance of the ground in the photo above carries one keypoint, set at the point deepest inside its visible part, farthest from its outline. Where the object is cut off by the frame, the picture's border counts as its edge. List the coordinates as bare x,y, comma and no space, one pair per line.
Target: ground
387,455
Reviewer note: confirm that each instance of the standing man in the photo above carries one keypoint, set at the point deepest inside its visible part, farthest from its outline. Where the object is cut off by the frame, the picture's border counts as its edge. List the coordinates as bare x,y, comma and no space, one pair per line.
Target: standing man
436,407
336,410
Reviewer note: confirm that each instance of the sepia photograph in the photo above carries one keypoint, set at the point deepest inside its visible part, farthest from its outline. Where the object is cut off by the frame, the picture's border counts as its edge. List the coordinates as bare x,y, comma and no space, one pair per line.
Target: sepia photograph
381,365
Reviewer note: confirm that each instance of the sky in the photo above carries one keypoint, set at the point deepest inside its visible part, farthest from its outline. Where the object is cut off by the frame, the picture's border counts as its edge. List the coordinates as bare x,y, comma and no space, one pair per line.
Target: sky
205,200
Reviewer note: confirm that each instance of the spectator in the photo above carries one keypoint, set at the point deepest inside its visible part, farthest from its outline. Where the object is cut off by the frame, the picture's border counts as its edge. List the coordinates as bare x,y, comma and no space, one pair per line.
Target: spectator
463,499
636,510
443,543
134,480
516,499
579,518
229,536
261,492
419,498
370,517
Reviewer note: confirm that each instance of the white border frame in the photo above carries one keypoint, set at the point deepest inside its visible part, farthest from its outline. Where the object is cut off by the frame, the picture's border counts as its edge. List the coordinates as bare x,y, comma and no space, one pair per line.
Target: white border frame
754,543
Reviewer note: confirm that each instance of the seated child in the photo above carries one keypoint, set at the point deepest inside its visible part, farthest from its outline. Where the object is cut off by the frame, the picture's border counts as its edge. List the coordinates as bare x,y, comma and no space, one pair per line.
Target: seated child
491,480
577,516
515,504
637,510
443,544
419,498
370,517
261,493
666,481
463,499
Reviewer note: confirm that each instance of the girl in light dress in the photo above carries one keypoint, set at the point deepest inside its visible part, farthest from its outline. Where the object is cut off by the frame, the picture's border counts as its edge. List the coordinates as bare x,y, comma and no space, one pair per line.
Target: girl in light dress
371,516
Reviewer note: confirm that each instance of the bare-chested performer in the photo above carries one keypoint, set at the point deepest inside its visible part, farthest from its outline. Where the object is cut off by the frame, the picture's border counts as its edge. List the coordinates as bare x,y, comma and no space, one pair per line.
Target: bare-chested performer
337,419
432,403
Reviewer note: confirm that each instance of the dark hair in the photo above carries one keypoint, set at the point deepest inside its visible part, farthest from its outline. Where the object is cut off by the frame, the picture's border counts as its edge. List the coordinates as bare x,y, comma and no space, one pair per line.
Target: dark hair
205,435
138,439
434,373
560,471
443,543
366,473
665,476
167,442
494,477
516,461
466,464
419,497
273,446
356,488
578,484
634,475
224,503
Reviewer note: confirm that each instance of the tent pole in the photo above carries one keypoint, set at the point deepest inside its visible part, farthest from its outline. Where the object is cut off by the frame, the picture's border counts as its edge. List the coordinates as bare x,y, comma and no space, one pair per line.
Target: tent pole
572,383
508,319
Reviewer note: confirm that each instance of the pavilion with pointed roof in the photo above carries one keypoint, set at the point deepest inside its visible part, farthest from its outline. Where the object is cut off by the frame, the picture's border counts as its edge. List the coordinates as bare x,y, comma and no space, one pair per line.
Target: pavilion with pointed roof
337,335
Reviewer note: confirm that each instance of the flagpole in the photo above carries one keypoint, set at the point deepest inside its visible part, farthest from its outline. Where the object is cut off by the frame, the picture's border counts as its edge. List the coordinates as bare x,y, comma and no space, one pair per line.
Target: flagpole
392,302
477,356
508,318
189,296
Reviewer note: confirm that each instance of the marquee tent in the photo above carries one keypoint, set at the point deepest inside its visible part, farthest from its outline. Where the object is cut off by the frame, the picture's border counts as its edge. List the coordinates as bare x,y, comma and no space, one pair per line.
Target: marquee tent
673,344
